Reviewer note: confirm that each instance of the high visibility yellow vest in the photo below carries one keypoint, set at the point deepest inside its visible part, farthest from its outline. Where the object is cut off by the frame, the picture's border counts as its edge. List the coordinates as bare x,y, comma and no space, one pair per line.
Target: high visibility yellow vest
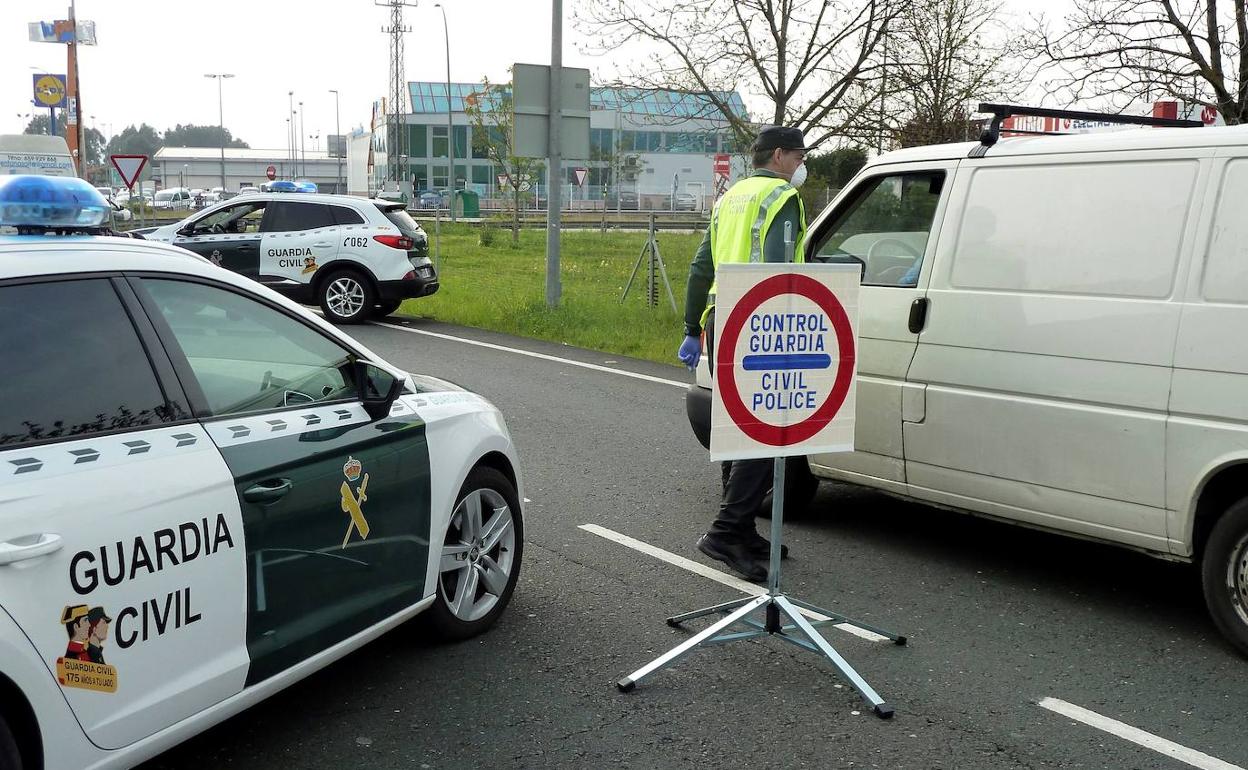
741,219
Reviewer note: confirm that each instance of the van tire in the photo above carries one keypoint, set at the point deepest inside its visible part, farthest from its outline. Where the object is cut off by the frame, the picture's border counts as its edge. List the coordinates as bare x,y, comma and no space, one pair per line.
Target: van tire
346,296
1224,575
10,757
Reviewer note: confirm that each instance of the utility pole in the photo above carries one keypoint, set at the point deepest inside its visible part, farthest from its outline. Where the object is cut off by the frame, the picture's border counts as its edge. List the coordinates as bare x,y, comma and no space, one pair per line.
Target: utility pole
303,148
290,135
450,128
73,124
220,77
342,146
554,174
396,146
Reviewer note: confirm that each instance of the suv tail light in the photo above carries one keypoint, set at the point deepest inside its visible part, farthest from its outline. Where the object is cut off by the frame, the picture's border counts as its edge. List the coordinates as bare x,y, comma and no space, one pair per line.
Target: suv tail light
401,242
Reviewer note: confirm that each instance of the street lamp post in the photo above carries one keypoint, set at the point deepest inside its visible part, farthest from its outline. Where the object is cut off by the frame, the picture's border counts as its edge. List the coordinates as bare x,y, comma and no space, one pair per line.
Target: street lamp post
303,148
290,135
450,128
220,77
342,150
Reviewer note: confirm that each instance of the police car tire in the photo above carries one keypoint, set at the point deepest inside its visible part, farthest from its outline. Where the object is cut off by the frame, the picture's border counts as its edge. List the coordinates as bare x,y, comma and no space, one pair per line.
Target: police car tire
1224,575
10,757
367,301
439,619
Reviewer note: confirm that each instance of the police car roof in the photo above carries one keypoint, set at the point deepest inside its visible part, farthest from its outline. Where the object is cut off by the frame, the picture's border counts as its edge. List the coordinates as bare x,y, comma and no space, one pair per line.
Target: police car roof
355,200
32,255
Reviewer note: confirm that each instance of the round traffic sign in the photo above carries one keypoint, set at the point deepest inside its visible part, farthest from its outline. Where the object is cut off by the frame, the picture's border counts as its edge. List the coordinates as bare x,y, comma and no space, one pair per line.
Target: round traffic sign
271,173
50,91
727,369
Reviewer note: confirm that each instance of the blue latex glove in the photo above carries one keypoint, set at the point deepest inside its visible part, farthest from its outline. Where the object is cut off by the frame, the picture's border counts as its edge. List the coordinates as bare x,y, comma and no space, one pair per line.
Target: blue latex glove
690,351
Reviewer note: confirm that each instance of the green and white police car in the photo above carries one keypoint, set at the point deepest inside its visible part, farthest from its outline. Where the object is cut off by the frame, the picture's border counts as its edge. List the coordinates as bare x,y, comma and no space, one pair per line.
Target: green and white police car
208,493
355,257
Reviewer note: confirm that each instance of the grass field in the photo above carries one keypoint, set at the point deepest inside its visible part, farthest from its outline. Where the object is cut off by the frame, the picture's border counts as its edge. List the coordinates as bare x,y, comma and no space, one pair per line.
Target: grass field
502,288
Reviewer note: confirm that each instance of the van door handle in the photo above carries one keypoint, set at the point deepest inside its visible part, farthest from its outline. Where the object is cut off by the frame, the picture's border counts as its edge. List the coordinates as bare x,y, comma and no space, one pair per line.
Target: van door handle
29,547
918,315
268,491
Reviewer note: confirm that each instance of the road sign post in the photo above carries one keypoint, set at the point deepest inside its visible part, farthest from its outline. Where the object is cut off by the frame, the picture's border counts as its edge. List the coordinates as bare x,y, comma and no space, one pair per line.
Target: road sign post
785,368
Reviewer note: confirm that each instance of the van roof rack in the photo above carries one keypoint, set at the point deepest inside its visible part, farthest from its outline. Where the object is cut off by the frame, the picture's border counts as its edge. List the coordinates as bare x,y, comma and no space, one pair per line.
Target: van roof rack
1000,112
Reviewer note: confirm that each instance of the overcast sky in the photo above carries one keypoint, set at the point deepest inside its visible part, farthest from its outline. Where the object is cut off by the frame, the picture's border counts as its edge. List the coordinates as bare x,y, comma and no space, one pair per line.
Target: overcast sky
152,55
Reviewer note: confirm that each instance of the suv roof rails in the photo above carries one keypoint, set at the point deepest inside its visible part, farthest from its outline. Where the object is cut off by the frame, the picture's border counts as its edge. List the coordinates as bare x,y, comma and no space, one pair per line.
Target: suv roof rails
1000,112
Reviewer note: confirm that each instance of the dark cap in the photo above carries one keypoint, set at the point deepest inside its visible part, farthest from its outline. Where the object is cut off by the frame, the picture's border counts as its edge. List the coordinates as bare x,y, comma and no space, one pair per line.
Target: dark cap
779,138
96,614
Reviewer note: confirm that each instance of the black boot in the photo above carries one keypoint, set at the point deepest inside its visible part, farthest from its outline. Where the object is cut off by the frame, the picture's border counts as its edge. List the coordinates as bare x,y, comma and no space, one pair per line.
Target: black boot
735,553
761,546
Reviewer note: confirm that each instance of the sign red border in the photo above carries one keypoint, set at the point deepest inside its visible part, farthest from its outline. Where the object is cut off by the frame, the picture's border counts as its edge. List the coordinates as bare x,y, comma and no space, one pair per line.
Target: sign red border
725,371
137,172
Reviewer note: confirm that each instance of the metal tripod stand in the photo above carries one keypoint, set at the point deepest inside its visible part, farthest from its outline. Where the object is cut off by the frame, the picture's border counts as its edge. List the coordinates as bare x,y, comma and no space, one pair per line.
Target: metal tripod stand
655,270
773,604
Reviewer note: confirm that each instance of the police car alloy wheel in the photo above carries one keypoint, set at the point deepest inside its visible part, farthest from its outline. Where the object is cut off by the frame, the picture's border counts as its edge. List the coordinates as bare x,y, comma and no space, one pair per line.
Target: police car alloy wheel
481,556
347,297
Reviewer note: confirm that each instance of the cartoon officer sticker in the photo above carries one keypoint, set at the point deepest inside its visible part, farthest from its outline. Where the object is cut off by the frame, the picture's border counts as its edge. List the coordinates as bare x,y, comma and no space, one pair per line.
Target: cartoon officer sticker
83,667
309,266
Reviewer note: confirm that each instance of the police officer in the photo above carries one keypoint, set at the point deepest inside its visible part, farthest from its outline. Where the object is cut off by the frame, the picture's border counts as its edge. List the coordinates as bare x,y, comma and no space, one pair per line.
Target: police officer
747,225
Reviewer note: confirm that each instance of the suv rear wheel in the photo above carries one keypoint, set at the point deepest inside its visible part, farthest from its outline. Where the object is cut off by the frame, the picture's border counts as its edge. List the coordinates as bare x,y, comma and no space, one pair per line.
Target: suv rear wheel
10,757
346,297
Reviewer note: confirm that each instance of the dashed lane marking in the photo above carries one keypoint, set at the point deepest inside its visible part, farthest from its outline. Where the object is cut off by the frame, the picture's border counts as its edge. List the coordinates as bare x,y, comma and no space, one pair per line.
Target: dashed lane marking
531,354
1137,736
713,574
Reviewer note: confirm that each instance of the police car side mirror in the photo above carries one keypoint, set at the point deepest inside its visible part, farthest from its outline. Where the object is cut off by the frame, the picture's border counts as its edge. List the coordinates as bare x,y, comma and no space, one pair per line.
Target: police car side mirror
378,388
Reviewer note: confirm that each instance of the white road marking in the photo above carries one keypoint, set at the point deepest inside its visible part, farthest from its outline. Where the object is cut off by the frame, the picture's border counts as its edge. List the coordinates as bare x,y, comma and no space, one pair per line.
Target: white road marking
713,574
1137,736
531,354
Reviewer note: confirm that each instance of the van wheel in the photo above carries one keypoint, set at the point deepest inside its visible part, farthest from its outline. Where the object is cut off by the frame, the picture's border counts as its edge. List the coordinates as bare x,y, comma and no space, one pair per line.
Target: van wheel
800,486
1224,573
346,297
480,559
10,757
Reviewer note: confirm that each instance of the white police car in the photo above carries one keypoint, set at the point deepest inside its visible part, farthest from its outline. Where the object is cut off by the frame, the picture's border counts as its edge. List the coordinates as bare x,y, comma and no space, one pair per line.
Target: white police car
207,492
355,257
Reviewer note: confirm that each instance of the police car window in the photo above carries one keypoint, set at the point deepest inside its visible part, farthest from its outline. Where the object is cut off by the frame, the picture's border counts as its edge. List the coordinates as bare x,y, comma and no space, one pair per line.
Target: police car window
243,218
346,216
284,216
885,228
248,357
74,365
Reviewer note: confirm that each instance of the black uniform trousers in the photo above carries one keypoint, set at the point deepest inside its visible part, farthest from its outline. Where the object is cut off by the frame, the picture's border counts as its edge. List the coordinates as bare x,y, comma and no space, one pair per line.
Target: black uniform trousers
745,481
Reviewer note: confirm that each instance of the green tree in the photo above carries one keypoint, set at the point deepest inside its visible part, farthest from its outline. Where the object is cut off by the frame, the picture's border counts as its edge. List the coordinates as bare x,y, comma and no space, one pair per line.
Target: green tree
837,166
493,116
140,140
201,136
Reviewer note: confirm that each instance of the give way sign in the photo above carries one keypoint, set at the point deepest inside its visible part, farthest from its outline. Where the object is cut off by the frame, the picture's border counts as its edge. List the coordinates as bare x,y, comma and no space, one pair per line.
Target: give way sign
129,166
786,358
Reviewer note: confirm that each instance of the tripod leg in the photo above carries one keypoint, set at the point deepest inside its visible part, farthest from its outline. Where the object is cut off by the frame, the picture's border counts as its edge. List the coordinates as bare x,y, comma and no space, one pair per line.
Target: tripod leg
882,709
671,656
897,639
632,275
676,620
663,271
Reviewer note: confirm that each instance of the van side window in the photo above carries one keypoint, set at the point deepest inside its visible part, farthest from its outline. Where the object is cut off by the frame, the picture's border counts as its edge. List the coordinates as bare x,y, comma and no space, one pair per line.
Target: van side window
1226,271
885,226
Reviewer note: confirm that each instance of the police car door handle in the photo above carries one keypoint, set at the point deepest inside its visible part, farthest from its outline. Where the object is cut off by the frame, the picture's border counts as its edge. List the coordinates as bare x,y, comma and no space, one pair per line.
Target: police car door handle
267,491
323,245
247,247
29,547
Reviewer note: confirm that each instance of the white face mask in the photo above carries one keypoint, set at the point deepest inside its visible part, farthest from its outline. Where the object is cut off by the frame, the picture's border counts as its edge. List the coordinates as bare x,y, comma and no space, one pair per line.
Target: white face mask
799,176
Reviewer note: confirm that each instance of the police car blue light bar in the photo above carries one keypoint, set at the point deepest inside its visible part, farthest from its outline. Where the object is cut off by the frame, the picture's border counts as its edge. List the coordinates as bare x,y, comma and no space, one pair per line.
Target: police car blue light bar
306,186
283,185
50,203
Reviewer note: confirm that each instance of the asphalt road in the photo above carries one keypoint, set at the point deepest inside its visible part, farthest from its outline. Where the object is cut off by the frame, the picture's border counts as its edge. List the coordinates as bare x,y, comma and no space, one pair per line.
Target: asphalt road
998,618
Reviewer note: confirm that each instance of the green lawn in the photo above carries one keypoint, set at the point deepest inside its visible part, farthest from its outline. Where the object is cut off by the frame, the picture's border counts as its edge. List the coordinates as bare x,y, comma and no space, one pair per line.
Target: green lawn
502,288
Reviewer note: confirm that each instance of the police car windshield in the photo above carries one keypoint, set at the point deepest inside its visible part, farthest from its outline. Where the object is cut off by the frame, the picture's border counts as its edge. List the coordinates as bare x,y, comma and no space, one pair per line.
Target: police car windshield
399,217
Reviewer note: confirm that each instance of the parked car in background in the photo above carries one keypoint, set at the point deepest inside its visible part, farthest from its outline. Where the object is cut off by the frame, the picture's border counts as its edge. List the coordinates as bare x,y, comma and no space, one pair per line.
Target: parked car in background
429,199
684,201
629,200
173,198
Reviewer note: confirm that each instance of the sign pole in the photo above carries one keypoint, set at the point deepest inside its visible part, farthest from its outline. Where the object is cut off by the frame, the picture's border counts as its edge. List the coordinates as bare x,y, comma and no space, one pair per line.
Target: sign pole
554,188
803,385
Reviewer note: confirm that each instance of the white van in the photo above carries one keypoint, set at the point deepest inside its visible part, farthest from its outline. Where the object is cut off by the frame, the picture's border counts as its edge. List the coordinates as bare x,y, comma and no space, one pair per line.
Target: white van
1053,332
35,154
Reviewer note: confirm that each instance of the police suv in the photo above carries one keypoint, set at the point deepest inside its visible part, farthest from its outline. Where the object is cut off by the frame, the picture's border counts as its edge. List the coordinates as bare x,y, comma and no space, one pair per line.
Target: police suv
208,493
355,257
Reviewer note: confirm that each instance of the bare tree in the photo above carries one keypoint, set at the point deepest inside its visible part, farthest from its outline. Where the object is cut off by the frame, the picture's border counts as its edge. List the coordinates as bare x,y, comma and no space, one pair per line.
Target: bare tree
1191,50
950,55
491,112
815,61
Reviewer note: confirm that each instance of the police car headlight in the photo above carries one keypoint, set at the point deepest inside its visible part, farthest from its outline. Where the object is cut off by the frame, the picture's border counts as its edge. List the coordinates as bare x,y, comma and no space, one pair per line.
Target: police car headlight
50,202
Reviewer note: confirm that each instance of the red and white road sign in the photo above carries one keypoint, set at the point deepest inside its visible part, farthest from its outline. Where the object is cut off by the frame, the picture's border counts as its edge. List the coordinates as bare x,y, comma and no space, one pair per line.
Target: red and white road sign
786,360
722,165
129,166
271,173
581,175
504,180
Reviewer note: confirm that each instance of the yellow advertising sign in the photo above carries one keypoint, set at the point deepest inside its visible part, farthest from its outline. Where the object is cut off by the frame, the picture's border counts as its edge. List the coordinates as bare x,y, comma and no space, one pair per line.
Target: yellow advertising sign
50,90
85,675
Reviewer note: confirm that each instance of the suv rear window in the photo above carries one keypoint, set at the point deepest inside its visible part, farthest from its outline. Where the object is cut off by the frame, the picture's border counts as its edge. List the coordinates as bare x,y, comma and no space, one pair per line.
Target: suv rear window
285,216
399,217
